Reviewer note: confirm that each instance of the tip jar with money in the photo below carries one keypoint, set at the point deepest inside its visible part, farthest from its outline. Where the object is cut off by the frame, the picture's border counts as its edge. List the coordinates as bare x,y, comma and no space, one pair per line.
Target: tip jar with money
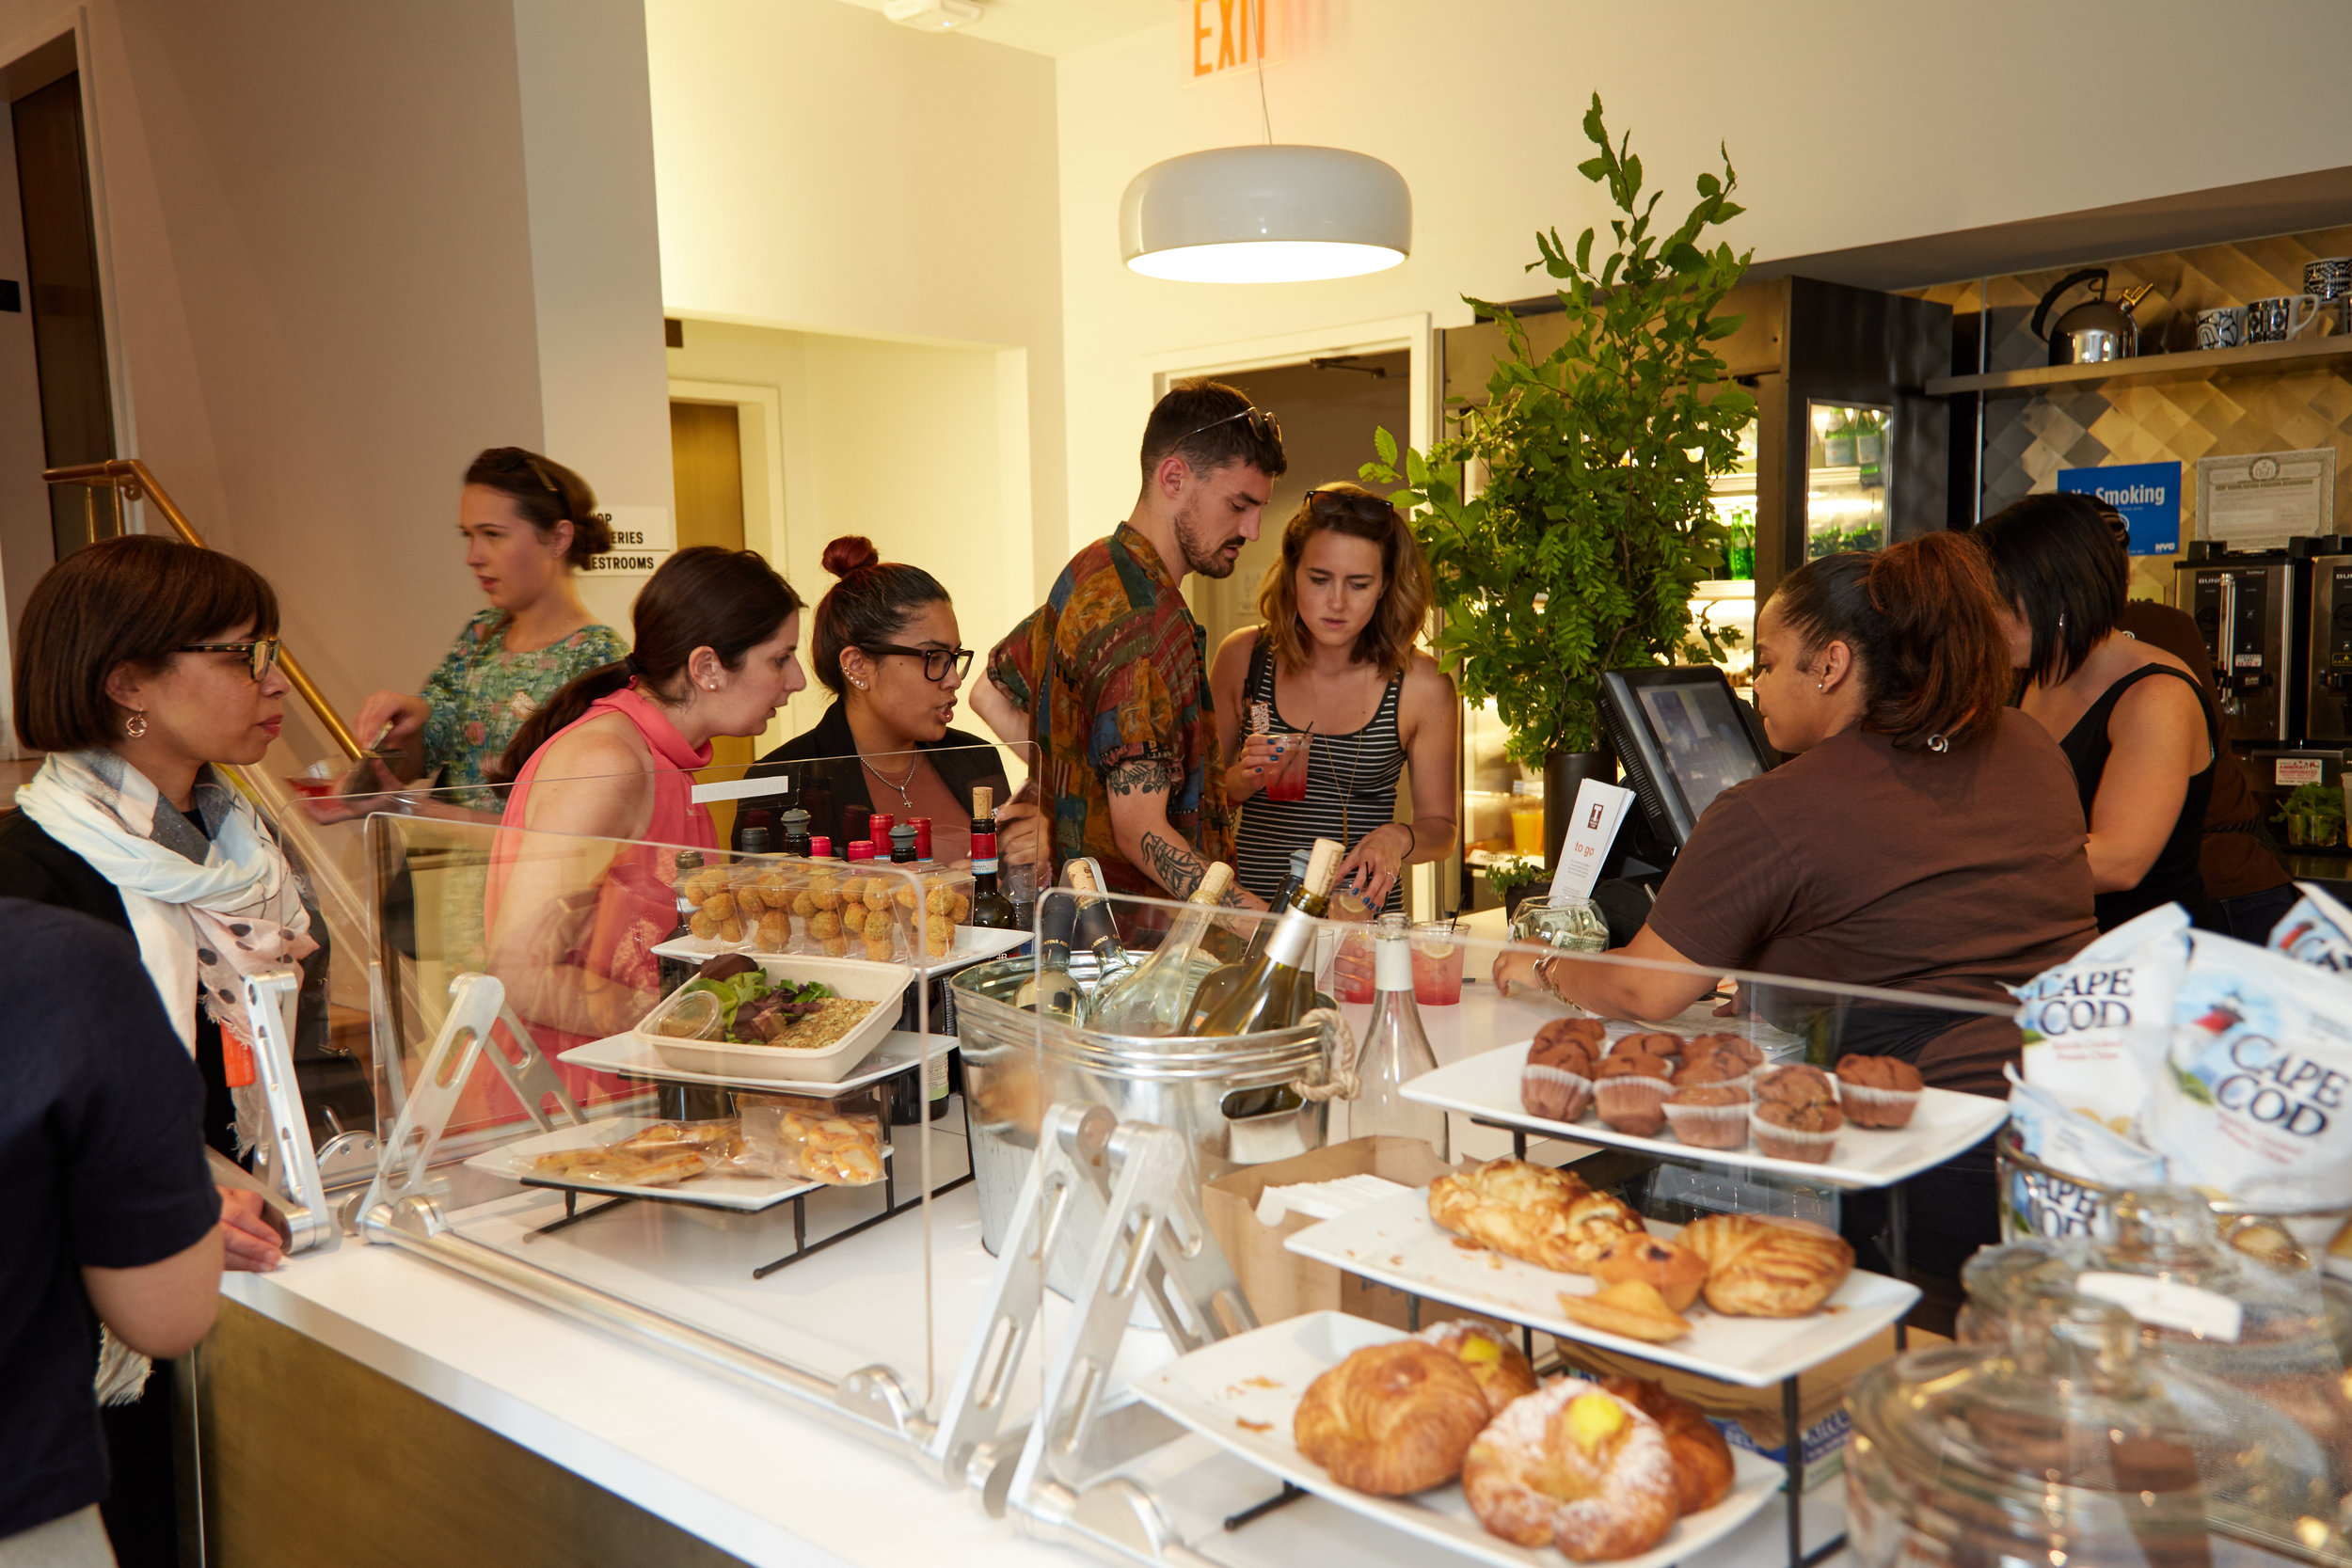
1572,924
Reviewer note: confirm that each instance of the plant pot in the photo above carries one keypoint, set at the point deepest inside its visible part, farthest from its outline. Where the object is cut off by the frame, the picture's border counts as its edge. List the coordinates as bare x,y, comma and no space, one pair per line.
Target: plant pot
1564,771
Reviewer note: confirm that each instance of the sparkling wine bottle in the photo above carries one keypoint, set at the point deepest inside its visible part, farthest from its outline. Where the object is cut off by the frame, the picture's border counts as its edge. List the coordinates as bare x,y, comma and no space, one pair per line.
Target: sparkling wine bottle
1276,989
1150,999
1051,990
1395,1047
1098,930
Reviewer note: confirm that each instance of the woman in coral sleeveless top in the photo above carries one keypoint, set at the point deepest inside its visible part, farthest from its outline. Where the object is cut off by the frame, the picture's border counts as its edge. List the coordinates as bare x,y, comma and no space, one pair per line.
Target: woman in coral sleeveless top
571,921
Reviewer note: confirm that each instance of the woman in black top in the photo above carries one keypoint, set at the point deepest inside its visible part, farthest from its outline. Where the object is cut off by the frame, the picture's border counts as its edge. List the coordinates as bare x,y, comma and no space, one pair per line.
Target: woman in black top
885,641
2128,716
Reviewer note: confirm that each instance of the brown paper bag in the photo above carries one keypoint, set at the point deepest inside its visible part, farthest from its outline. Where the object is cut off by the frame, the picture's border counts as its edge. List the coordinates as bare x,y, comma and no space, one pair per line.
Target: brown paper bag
1280,1283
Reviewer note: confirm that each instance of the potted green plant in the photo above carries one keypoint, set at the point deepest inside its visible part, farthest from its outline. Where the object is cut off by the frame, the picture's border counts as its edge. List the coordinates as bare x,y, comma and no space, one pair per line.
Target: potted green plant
1513,878
1579,552
2313,815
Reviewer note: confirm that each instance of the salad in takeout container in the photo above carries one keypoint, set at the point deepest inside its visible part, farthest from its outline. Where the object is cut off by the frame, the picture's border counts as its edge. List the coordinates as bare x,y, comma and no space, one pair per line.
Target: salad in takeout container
777,1018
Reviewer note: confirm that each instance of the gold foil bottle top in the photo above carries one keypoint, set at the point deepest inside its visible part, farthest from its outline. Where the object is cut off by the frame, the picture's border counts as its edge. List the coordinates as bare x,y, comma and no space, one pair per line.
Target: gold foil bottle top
1323,867
983,803
1214,883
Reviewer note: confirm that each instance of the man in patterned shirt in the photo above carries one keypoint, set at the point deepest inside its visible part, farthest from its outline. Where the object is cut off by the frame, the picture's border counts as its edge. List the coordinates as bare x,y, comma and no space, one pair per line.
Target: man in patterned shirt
1110,675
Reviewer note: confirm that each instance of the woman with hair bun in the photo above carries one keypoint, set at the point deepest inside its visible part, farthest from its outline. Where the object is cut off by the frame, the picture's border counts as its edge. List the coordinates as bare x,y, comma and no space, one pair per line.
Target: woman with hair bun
886,644
1923,836
1335,658
528,524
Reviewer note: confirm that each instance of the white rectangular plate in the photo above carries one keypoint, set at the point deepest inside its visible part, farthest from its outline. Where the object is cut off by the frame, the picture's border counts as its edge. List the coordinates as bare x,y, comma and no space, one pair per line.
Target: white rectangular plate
973,944
1487,1087
747,1194
1397,1243
630,1056
1258,1378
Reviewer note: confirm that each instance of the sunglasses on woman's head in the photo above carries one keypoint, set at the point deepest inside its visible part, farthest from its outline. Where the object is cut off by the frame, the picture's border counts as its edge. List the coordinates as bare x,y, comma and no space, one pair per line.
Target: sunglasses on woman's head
260,653
1262,425
936,661
1372,509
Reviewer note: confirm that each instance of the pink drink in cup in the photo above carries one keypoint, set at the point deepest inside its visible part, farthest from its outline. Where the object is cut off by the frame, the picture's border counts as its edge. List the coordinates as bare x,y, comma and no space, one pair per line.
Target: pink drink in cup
1350,979
1288,781
1437,964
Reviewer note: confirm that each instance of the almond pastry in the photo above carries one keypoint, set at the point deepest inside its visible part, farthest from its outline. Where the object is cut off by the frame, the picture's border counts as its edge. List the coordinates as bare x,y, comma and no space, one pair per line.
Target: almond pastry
1540,1216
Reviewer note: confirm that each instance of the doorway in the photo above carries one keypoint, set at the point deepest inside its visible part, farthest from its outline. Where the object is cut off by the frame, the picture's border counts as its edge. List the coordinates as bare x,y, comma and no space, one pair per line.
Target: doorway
707,498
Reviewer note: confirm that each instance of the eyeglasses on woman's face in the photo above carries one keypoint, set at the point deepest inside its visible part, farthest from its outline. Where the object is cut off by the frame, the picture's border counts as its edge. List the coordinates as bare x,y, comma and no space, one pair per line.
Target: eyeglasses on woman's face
936,661
260,653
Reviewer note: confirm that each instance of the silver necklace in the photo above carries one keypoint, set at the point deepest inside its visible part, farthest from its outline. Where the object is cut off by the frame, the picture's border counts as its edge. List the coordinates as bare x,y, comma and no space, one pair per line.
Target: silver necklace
899,785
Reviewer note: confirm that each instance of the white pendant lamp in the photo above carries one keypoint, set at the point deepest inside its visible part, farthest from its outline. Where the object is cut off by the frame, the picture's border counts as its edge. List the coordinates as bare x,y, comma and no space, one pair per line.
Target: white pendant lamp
1265,214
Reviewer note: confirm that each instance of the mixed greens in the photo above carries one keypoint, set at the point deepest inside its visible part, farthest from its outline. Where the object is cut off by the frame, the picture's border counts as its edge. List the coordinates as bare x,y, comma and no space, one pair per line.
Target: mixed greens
753,1010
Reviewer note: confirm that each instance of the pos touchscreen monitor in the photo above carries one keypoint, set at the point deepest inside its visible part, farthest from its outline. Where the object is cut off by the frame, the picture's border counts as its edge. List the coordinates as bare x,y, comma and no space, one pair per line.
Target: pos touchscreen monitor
1684,740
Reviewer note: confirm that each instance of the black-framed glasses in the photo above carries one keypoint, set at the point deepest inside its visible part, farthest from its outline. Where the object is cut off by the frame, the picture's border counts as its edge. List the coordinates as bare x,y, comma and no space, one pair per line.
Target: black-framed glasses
261,654
1372,509
1264,426
936,661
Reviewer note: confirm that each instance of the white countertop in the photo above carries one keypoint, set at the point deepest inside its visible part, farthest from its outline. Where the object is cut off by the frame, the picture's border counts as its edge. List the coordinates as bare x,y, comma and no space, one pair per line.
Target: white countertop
746,1472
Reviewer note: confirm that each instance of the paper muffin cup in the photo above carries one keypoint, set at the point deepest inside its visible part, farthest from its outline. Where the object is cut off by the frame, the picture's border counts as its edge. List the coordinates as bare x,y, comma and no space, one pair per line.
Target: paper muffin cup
1542,1087
1631,1104
1866,1106
1709,1126
1787,1143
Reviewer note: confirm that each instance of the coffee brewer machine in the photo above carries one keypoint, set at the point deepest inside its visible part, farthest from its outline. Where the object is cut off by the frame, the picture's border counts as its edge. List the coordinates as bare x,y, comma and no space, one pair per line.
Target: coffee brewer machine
2327,690
2253,610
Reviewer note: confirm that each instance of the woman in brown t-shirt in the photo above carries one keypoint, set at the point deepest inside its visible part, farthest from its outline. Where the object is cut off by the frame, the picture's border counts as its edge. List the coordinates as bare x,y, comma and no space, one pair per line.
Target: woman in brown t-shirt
1924,837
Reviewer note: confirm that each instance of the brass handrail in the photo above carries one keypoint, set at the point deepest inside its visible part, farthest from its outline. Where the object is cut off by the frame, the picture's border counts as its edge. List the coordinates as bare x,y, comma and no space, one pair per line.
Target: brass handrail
128,477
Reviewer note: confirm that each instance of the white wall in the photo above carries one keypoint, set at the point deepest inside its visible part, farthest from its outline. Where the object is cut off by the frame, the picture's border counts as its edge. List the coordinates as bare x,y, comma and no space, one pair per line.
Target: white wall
1850,121
331,276
823,170
914,446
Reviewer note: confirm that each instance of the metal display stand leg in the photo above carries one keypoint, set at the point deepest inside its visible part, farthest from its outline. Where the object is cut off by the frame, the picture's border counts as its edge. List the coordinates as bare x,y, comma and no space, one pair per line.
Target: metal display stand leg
1897,1253
285,1160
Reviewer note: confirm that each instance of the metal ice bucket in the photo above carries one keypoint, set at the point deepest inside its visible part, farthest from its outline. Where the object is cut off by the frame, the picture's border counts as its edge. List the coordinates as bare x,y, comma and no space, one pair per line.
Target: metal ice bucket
1231,1097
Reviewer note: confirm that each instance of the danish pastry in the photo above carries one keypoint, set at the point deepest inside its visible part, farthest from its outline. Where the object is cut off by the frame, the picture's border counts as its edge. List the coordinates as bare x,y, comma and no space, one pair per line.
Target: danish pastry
1540,1216
1701,1458
1761,1266
1501,1373
1677,1271
1575,1467
1392,1418
1631,1308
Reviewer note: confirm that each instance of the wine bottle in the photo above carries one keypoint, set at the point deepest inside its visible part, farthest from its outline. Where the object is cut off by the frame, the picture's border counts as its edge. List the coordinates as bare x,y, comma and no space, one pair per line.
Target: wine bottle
671,973
991,909
1150,999
1098,930
1291,882
1051,990
796,840
1277,989
1395,1047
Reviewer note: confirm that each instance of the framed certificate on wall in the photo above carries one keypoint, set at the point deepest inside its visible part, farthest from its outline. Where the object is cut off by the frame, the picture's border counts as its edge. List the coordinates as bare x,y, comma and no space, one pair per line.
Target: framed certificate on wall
2259,501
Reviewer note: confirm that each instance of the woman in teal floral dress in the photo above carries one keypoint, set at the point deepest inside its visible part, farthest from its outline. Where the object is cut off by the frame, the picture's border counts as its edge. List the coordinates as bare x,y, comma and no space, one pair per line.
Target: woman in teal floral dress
528,522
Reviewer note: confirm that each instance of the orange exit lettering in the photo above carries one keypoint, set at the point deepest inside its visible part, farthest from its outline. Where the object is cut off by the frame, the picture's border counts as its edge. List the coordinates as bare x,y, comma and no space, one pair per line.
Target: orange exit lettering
1231,33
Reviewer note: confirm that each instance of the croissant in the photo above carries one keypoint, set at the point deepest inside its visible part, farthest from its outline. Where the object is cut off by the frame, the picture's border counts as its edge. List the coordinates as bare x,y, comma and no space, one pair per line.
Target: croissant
1760,1266
1392,1418
1701,1458
1540,1216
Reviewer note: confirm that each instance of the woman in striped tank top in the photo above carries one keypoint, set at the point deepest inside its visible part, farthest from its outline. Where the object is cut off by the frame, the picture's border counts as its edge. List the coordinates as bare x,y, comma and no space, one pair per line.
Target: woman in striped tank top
1336,658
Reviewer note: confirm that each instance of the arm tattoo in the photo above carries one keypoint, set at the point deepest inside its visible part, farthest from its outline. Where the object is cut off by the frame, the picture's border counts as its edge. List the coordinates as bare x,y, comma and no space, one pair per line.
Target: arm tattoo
1143,776
1172,864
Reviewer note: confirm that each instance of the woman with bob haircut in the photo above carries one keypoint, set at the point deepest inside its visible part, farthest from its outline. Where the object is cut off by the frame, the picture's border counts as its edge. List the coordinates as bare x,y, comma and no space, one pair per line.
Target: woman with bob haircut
1335,661
2128,716
1923,835
142,666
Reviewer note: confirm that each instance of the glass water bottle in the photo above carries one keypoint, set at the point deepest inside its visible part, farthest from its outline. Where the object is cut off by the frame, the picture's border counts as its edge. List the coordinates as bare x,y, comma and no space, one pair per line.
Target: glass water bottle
1395,1047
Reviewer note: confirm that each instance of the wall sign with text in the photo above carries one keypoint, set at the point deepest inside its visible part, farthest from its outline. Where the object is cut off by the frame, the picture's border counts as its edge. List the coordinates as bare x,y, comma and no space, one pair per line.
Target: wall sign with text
1235,35
2148,495
643,538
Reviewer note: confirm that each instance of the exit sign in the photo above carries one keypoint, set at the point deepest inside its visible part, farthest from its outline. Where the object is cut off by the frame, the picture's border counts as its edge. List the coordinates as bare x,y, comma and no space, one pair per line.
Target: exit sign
1236,34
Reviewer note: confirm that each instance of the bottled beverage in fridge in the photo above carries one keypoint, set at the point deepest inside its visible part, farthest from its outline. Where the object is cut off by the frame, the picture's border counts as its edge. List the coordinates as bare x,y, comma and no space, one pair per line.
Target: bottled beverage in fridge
673,973
991,909
1150,999
1098,930
1051,990
1395,1047
1275,989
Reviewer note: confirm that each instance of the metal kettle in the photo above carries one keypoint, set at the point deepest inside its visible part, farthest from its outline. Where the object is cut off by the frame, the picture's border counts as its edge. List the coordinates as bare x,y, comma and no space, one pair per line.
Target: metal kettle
2099,328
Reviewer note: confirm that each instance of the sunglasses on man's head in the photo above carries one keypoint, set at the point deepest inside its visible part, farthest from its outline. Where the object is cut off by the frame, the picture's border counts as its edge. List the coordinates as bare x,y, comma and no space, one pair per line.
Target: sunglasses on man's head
1262,425
261,654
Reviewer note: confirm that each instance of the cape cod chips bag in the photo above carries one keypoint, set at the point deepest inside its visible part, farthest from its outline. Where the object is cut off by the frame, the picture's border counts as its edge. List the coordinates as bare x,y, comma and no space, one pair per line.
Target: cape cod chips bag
2096,1026
2077,1146
2317,931
2256,1103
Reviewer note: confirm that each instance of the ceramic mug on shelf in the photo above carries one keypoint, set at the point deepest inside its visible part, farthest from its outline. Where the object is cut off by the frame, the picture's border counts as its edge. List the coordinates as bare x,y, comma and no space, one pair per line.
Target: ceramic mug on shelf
2223,326
2280,317
2330,278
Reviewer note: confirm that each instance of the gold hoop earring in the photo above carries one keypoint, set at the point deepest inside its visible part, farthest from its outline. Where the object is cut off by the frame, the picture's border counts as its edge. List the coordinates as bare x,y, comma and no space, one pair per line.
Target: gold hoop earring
134,726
